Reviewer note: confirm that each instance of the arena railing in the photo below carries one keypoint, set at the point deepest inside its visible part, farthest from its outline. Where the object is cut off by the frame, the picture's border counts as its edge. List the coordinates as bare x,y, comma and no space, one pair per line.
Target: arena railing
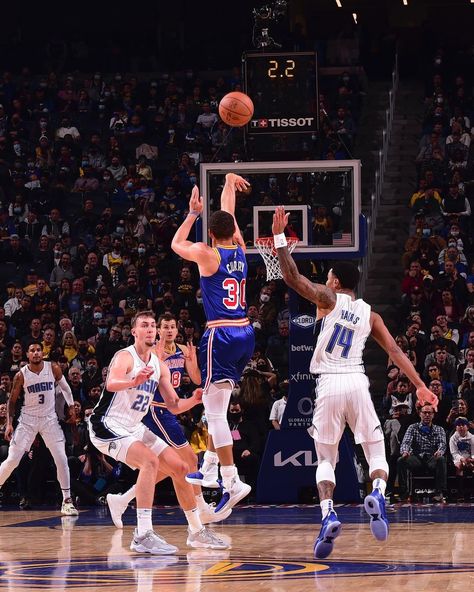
379,177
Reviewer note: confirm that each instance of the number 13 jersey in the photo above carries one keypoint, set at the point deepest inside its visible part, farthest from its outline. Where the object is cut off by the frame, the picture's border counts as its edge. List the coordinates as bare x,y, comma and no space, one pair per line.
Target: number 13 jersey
342,336
223,292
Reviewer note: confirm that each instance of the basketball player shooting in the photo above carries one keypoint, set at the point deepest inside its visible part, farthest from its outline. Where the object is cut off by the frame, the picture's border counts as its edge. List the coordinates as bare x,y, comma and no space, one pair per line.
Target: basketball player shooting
342,388
38,416
228,342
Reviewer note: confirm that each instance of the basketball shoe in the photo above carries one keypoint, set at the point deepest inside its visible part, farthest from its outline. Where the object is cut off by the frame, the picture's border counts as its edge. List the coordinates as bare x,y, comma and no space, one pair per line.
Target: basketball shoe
150,542
374,505
68,508
209,479
237,491
117,507
209,515
330,530
205,539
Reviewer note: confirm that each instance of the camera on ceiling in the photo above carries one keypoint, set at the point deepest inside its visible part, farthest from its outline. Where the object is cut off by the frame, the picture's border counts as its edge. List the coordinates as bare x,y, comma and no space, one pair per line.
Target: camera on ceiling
271,11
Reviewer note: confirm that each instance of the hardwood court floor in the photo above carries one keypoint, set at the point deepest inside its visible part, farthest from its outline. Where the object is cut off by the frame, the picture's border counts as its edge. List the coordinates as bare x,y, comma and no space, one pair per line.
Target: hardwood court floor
430,549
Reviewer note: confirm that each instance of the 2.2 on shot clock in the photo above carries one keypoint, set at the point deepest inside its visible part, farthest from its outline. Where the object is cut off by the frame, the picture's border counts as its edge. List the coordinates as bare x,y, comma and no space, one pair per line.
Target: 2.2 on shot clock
284,89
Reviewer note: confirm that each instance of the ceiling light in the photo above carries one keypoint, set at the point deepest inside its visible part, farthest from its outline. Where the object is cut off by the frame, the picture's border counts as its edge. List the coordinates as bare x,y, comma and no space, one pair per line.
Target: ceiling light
339,3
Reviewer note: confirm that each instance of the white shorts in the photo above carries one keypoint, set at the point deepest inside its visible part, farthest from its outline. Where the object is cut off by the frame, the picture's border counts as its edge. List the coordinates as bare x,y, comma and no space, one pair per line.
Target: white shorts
118,447
341,399
31,425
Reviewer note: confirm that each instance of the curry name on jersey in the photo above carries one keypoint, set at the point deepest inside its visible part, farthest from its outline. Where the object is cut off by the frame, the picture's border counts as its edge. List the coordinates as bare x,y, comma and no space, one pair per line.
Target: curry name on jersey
39,391
342,336
223,292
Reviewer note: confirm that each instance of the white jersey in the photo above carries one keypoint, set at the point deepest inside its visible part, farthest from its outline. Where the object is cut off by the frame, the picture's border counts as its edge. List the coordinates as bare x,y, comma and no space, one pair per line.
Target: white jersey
39,391
342,337
125,409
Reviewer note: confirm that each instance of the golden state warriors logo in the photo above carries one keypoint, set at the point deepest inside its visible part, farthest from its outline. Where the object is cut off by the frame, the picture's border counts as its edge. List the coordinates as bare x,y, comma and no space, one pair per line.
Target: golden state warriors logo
197,567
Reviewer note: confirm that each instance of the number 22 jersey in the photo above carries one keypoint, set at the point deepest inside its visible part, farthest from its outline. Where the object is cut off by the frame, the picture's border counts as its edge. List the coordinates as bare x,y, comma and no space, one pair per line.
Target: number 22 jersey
342,336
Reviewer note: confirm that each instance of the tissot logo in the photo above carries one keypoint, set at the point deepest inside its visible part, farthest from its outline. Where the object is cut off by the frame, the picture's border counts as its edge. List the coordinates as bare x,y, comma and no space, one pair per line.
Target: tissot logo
302,458
303,321
278,122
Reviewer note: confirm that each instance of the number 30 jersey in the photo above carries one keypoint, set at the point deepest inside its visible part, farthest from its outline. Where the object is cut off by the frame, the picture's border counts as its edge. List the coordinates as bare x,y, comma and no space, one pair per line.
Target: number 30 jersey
342,336
126,408
223,293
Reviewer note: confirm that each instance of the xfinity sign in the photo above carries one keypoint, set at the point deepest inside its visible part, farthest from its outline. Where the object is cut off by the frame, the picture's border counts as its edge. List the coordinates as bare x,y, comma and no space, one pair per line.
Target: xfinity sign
303,321
302,458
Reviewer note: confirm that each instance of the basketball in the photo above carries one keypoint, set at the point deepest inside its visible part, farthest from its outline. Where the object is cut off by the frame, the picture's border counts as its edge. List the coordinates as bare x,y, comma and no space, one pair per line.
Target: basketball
236,109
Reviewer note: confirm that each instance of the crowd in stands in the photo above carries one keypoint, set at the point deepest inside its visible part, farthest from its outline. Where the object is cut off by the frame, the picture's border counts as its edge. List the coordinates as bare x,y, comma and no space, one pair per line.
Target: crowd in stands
436,315
95,177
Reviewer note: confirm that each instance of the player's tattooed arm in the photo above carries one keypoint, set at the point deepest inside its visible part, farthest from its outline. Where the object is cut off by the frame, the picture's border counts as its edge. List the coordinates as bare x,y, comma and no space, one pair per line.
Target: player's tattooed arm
12,399
321,295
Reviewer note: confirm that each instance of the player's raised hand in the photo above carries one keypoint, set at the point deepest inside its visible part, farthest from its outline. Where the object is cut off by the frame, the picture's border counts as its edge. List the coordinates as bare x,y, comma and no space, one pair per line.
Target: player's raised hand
191,355
425,396
280,220
144,374
195,203
239,183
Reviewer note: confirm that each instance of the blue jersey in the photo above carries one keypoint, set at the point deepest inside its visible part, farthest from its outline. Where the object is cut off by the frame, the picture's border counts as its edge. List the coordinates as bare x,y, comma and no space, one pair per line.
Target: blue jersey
223,292
158,419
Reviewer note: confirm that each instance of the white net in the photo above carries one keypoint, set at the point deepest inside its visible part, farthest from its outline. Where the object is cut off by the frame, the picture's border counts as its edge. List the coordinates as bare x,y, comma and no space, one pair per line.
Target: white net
268,252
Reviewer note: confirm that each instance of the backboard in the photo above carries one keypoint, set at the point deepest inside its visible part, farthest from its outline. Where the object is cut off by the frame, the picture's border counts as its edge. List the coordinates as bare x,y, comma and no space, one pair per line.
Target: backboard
322,197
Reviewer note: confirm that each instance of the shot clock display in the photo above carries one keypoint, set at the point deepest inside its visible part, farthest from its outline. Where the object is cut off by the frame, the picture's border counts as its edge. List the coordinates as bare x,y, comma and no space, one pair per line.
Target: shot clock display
284,91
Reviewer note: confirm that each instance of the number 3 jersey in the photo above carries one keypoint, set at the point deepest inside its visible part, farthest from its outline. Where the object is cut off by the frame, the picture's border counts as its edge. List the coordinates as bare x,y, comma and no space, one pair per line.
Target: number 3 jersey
223,292
39,391
125,409
342,336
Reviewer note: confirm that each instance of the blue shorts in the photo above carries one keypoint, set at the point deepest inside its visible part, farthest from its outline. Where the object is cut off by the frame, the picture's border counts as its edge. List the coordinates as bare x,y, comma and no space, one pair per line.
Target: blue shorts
165,425
224,352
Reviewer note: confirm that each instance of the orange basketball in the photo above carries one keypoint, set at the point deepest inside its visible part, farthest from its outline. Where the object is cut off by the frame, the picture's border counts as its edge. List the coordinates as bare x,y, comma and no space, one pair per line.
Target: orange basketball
236,109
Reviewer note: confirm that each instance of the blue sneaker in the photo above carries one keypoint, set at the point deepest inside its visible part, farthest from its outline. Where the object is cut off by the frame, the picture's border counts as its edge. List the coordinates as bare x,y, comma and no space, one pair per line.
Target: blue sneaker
374,505
203,480
330,530
232,496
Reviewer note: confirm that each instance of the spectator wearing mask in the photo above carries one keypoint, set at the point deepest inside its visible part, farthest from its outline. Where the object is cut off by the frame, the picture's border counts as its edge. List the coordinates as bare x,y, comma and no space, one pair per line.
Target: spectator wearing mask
461,447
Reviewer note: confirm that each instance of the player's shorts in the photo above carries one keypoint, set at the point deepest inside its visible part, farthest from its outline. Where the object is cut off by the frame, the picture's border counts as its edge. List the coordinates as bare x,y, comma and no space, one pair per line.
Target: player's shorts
117,447
165,425
224,352
341,399
31,425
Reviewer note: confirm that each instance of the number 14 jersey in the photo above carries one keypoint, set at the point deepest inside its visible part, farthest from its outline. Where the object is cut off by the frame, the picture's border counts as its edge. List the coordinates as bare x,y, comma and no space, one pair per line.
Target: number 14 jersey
342,336
223,292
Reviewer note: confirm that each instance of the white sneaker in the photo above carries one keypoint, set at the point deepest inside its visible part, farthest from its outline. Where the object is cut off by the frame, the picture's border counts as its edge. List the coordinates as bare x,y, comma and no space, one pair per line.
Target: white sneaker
152,543
209,480
117,507
68,508
237,492
208,514
205,539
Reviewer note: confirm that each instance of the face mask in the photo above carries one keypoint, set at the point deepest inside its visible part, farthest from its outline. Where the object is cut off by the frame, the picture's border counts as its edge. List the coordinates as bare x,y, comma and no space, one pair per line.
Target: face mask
129,185
17,210
167,301
106,177
83,349
120,230
91,367
57,253
234,417
264,298
87,306
17,149
199,300
125,334
102,330
299,179
98,316
141,251
193,179
455,233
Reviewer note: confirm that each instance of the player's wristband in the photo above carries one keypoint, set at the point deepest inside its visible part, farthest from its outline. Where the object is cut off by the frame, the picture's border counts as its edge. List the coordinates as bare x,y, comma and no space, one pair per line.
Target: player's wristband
194,213
279,240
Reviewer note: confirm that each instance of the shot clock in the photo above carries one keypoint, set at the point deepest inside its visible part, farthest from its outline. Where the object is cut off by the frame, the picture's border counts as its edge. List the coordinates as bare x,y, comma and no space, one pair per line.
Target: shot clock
284,89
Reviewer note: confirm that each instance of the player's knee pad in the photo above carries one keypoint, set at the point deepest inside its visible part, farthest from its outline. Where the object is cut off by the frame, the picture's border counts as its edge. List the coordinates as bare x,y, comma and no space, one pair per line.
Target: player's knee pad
325,472
375,456
219,429
13,459
216,399
378,463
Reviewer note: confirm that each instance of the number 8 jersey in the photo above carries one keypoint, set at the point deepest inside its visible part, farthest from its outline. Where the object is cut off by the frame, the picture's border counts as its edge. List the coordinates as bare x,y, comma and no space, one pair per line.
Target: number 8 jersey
223,292
342,336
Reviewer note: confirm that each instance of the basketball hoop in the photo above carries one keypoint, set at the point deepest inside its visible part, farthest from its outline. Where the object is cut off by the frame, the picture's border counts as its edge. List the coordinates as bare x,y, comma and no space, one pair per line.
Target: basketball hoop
267,250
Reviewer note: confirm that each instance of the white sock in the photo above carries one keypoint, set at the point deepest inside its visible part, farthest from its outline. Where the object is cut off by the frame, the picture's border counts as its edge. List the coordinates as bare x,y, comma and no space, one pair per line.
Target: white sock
201,502
379,484
229,472
129,495
144,521
326,506
66,494
210,462
192,516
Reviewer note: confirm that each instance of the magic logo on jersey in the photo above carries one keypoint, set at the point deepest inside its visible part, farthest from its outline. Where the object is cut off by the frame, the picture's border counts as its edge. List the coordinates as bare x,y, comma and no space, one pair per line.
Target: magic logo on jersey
40,387
149,386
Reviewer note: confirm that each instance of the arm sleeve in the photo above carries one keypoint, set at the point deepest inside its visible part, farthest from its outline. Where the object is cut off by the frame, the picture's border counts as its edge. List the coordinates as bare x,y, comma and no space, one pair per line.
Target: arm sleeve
66,391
